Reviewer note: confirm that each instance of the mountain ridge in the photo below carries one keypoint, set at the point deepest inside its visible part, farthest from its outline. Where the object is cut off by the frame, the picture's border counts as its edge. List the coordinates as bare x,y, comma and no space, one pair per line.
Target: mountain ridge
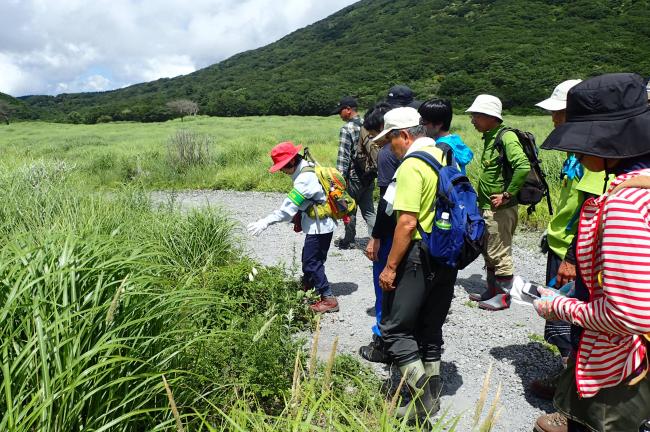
515,49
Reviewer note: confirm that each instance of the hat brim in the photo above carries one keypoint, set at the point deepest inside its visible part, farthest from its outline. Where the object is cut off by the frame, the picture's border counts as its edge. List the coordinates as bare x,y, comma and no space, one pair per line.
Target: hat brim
336,111
613,139
415,104
472,110
552,105
382,134
281,164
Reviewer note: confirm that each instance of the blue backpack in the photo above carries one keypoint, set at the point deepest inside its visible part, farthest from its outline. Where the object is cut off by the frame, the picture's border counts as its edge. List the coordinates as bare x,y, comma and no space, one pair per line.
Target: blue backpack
458,235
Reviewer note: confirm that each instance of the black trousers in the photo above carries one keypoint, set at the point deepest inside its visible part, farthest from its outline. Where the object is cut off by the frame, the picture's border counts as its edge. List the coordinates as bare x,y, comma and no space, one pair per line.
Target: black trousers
414,312
557,333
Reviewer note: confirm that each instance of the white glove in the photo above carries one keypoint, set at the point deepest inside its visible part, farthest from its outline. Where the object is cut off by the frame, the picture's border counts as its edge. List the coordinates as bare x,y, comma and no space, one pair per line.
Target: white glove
256,228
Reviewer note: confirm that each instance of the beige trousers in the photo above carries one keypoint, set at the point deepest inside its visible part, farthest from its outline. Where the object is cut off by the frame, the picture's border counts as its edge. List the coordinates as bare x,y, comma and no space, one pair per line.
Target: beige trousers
501,225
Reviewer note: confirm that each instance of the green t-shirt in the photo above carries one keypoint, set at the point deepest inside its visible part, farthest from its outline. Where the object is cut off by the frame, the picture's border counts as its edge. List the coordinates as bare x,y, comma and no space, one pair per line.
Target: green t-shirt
416,189
491,179
564,225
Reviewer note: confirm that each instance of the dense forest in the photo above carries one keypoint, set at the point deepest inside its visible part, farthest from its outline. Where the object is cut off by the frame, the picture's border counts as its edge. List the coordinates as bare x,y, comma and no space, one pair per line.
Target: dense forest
516,49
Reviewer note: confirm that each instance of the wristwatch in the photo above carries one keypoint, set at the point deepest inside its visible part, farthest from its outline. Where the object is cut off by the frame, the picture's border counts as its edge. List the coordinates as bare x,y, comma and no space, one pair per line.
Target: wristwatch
507,195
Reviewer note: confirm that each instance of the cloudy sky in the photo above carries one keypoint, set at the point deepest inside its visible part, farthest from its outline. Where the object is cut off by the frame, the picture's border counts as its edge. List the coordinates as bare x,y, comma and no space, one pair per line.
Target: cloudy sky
63,46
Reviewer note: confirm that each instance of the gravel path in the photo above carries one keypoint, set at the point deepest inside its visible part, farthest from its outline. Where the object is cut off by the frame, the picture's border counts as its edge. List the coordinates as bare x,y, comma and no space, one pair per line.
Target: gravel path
474,338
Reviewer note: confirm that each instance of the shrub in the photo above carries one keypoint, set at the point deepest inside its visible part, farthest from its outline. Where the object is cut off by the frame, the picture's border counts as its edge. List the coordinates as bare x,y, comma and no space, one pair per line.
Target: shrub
187,149
104,119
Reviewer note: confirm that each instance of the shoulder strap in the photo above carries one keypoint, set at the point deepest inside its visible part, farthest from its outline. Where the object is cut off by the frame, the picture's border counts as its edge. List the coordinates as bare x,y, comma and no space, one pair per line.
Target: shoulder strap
640,181
428,158
498,141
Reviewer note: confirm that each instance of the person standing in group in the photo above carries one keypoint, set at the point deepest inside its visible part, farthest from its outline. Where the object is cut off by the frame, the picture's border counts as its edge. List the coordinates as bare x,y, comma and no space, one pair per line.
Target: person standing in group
497,199
577,184
361,190
417,291
382,233
606,386
307,191
436,117
381,239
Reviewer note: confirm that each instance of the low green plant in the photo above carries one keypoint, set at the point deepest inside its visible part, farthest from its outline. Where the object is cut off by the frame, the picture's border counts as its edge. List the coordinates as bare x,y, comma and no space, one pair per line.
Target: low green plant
540,340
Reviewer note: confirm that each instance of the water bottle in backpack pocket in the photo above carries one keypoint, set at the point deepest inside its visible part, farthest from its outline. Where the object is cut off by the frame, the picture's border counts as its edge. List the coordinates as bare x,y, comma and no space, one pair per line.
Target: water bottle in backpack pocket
458,234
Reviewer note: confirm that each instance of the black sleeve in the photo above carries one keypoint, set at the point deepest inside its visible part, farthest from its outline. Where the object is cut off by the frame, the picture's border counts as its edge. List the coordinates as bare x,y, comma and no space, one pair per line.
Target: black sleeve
384,224
570,255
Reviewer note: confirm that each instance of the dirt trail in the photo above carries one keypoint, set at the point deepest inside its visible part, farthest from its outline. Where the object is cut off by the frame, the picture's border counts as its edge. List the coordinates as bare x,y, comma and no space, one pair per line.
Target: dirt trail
474,338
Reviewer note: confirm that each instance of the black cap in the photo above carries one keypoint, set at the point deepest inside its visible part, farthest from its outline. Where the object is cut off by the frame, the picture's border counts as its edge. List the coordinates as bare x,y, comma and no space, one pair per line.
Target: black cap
399,94
345,102
606,116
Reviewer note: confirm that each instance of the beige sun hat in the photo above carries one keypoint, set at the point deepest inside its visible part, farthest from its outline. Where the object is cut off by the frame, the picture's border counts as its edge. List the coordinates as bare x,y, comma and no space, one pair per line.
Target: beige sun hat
557,101
399,118
486,104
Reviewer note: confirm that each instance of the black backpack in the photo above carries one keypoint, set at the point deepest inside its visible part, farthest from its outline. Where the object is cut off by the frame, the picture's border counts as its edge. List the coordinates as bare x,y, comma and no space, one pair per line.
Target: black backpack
364,158
535,187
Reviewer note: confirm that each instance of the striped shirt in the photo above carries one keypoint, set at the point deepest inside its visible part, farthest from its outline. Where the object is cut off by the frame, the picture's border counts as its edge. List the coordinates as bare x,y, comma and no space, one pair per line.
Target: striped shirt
615,266
348,139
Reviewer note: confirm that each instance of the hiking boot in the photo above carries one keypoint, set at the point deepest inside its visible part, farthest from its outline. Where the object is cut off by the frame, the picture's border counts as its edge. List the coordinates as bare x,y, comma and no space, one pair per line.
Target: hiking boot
544,388
555,422
343,244
326,304
489,290
501,300
306,284
375,351
423,405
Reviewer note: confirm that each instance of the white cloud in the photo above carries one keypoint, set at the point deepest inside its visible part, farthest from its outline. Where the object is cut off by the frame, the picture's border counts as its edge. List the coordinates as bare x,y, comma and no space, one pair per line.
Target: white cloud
53,46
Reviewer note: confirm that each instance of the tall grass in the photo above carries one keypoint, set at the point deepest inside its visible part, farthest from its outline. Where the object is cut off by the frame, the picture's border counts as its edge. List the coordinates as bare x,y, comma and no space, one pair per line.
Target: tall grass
101,296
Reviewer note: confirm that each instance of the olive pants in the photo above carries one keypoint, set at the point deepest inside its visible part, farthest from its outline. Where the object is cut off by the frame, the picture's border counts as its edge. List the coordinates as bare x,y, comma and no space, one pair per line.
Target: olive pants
501,225
622,408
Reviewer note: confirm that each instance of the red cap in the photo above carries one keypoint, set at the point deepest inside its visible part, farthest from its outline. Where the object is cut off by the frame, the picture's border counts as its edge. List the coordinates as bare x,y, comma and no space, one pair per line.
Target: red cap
282,154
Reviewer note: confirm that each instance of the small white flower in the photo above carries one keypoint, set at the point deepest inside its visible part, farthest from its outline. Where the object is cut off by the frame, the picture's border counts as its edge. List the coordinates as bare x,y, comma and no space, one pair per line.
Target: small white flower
254,271
251,277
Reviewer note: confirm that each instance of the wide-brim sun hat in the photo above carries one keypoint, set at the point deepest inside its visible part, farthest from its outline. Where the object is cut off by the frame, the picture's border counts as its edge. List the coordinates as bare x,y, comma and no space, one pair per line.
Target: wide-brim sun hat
606,116
282,154
398,118
486,104
557,101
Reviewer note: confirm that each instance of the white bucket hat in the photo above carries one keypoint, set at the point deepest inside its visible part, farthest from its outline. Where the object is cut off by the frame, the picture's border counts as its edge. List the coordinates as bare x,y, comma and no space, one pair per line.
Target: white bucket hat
486,104
557,101
399,118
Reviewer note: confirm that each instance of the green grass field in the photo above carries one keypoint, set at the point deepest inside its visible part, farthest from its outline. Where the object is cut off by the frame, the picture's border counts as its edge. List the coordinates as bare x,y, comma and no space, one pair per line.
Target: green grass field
118,315
106,156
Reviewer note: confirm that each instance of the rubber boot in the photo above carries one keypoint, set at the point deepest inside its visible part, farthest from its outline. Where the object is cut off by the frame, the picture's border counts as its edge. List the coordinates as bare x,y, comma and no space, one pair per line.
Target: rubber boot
422,405
432,369
501,300
490,288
